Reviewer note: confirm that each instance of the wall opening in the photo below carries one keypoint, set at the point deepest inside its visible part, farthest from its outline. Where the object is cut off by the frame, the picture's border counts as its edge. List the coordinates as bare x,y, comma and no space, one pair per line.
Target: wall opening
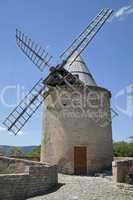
80,160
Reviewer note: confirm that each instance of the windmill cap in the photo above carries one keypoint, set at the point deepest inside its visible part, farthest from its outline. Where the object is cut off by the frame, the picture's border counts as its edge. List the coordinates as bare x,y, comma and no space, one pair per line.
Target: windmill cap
80,69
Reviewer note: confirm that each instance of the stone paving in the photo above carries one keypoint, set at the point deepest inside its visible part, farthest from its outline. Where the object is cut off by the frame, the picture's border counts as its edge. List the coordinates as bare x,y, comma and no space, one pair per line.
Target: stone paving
85,188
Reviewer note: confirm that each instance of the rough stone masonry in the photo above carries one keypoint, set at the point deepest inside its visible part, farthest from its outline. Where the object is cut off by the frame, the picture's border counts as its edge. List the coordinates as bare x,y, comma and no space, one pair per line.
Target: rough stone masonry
31,179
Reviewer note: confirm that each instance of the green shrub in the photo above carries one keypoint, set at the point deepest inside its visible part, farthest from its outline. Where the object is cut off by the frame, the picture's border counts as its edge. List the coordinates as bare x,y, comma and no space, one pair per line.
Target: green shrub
35,152
123,149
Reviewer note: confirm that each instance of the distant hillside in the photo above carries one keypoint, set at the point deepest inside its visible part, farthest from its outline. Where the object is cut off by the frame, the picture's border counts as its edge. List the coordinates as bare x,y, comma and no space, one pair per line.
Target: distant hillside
5,149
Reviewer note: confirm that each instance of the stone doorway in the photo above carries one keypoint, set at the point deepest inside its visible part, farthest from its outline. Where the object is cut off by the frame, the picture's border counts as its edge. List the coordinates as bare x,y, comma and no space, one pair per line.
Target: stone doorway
80,160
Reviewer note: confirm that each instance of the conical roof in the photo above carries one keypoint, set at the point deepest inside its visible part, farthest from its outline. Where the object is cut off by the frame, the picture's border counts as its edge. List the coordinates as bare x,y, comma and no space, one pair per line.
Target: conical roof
80,69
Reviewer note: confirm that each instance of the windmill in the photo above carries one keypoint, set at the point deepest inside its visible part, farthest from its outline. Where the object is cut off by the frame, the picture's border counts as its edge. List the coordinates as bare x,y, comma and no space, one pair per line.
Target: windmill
27,107
77,145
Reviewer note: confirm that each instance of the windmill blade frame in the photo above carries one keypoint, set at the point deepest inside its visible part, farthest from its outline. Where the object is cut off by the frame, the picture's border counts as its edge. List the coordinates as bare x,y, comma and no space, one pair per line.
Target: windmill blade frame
26,108
114,113
33,51
82,41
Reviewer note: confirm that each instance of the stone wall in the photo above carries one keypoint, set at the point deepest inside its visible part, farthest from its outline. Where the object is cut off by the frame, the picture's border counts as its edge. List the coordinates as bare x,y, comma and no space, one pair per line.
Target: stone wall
13,165
36,179
32,158
122,170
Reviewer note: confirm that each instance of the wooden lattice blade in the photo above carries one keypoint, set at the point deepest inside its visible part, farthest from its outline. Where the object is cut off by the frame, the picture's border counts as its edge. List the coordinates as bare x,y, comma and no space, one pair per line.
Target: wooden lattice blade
113,113
81,42
35,53
26,108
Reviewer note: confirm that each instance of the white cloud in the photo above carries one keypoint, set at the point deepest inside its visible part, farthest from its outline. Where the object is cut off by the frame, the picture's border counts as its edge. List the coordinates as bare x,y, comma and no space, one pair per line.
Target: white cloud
123,12
2,129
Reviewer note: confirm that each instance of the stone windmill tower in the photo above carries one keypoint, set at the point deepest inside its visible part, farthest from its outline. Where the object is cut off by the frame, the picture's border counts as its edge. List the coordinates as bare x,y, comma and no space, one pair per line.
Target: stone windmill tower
76,133
74,136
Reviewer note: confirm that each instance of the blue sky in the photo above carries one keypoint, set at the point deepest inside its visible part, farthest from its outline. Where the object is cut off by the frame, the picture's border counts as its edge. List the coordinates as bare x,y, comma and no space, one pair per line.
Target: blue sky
54,24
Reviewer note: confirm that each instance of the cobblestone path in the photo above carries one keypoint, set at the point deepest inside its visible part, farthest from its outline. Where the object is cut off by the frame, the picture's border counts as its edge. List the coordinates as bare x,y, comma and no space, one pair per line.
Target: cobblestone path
85,188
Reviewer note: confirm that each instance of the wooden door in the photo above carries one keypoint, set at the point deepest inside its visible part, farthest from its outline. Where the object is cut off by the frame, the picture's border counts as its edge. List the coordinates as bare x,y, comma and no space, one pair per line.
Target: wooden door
80,160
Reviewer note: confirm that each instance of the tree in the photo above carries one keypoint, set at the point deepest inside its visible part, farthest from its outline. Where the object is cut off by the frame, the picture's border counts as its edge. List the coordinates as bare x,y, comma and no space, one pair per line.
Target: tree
16,152
131,139
123,149
2,152
35,152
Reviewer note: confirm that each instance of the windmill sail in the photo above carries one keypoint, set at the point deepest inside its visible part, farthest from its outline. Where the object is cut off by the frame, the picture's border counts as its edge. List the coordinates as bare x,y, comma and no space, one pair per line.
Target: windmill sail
113,113
80,43
34,52
27,107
